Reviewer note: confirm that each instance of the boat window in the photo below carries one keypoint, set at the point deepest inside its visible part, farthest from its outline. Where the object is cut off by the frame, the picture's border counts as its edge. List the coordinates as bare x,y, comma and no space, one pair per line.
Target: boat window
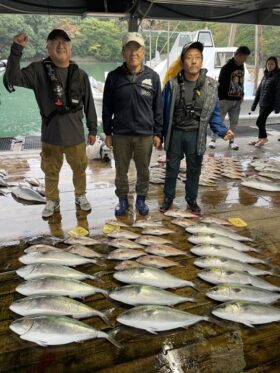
184,39
221,58
206,39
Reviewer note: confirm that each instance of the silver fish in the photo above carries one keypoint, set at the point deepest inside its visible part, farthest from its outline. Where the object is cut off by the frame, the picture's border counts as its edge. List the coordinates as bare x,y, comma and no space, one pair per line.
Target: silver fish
127,264
220,276
180,214
32,271
123,234
147,224
261,185
54,305
86,241
41,248
124,254
148,240
182,222
230,265
157,261
157,231
216,229
27,194
225,252
83,251
123,243
32,181
227,292
56,330
55,257
164,250
215,239
136,295
247,313
58,286
151,276
212,219
154,318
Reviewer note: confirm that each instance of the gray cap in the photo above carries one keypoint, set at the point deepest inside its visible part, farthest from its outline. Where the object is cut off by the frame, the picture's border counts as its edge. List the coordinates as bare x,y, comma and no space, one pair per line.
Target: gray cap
133,36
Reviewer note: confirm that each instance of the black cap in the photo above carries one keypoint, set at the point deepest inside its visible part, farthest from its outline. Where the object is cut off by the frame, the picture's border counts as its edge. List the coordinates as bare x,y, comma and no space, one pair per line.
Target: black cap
58,33
192,45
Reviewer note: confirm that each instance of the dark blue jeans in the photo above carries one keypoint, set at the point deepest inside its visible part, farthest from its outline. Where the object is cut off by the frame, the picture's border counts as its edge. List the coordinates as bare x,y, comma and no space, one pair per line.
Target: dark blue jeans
182,144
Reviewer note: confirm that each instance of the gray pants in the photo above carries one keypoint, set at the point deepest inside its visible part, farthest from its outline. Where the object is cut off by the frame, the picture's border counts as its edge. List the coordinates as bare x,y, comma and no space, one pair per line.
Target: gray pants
138,148
232,108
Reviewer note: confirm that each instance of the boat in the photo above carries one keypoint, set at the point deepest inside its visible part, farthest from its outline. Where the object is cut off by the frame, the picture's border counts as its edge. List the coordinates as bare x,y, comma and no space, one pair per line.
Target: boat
213,59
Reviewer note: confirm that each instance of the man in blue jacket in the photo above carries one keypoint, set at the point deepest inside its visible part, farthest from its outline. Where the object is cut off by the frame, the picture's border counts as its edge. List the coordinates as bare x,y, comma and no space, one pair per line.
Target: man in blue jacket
132,120
190,102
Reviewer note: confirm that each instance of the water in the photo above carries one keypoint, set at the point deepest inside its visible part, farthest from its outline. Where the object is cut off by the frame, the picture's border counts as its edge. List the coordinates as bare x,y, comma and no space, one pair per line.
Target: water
19,113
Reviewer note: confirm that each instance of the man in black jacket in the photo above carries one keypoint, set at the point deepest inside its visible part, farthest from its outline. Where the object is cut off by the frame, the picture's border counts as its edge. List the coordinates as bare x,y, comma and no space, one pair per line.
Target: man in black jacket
231,91
132,120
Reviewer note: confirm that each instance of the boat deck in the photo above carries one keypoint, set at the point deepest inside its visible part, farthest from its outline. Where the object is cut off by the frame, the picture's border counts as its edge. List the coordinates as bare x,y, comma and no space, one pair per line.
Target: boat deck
215,346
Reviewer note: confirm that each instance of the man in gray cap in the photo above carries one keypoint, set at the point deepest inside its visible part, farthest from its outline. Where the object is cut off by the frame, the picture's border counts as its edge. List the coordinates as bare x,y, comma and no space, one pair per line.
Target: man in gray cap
190,102
63,93
132,120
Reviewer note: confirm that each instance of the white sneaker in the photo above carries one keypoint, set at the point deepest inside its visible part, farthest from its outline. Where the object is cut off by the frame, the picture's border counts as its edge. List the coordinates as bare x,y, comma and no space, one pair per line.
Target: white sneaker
212,144
83,202
233,146
50,208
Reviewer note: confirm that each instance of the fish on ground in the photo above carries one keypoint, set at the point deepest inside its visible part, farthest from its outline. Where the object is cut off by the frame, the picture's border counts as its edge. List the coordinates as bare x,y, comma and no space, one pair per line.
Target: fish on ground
56,257
127,264
56,330
123,234
58,286
157,261
148,240
268,185
183,222
215,239
216,229
212,219
124,254
227,292
146,224
151,276
83,240
164,250
27,194
42,248
124,243
247,313
180,214
55,306
154,318
157,231
83,251
136,295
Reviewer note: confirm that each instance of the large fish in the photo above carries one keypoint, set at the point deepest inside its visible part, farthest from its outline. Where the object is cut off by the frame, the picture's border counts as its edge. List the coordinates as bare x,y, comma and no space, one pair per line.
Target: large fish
216,229
127,264
212,219
124,254
56,330
180,214
124,243
55,257
157,231
147,224
227,292
58,286
83,251
157,261
148,240
225,252
82,240
220,276
164,250
123,234
261,185
154,318
56,306
136,295
215,239
40,248
27,194
182,222
151,276
32,271
230,265
247,313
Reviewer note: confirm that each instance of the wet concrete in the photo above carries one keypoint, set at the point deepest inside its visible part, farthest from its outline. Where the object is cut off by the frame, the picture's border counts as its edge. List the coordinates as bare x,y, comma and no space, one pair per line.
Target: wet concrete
215,346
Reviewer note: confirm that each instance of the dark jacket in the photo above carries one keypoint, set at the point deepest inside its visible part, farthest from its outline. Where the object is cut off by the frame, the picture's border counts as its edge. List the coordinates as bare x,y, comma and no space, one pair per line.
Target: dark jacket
210,112
231,81
63,130
268,92
132,104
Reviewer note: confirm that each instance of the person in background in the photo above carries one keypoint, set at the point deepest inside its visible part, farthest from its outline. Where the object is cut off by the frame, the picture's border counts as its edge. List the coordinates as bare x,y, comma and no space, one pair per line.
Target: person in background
231,91
190,102
63,92
132,120
268,98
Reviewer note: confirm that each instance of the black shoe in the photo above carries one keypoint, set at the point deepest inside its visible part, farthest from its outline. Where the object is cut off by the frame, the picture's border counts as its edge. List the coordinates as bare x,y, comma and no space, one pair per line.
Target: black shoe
193,206
141,206
121,207
166,203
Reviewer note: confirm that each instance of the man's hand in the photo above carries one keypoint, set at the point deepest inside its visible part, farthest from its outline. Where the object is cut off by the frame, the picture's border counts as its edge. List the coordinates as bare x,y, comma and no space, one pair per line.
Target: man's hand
109,141
222,104
21,39
91,139
157,142
229,135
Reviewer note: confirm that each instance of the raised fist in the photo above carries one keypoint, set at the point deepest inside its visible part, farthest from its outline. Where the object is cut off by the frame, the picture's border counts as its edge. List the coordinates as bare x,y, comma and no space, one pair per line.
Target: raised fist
21,39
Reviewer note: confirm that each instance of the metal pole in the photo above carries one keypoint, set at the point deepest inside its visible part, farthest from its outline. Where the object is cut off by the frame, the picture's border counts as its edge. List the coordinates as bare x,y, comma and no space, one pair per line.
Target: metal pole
168,30
133,24
150,48
257,56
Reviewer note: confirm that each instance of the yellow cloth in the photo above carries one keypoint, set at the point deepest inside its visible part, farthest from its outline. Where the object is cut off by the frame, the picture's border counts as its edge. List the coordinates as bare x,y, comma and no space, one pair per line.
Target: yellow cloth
173,70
